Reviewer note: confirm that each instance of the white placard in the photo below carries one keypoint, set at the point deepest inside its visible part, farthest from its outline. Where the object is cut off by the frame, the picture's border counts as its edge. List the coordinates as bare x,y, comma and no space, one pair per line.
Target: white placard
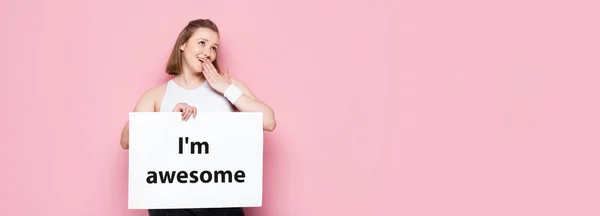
214,160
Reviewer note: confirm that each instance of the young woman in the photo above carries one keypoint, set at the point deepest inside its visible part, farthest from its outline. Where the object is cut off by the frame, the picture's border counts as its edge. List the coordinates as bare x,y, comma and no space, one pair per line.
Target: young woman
198,85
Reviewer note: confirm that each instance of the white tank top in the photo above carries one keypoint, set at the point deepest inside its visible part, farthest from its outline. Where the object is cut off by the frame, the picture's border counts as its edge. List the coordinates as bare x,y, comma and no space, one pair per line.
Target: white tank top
204,98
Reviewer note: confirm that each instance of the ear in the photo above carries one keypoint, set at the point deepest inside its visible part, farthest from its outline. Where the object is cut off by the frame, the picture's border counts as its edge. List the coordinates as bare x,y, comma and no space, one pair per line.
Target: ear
182,47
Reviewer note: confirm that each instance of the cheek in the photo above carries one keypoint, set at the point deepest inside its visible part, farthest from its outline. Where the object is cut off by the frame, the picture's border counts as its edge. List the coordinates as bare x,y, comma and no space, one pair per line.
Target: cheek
194,50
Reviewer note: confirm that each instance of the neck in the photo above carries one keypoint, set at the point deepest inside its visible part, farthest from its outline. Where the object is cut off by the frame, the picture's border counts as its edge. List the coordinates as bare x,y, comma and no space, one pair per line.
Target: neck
187,79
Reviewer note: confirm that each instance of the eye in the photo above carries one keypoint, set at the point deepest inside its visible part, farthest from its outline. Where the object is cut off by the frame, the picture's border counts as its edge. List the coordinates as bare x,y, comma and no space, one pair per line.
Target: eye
201,43
214,49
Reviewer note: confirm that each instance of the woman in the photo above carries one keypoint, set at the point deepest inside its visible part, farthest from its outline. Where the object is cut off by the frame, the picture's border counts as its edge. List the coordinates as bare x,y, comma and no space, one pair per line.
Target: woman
198,85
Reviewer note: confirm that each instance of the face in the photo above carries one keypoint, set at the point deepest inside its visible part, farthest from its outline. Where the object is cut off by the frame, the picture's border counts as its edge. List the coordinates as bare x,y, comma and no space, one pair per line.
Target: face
202,45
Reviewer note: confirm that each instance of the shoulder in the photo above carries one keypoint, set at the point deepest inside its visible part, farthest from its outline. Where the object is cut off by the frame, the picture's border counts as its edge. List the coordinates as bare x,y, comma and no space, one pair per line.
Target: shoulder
151,98
156,92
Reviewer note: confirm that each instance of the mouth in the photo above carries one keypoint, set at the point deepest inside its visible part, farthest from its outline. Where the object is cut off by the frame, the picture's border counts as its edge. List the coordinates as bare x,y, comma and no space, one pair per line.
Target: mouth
201,60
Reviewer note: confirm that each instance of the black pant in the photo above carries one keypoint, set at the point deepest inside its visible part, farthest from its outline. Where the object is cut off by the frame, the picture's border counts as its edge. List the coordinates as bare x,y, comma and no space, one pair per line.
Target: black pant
197,212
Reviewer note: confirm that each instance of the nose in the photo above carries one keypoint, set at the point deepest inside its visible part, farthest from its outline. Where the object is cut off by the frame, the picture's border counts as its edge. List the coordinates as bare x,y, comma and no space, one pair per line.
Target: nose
206,53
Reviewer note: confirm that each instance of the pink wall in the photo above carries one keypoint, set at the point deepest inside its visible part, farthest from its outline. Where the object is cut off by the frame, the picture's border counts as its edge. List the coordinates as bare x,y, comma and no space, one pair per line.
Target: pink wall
397,107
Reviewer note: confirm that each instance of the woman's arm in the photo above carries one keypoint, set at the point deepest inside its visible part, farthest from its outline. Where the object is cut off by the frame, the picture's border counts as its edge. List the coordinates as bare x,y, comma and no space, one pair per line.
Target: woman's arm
125,136
145,104
248,102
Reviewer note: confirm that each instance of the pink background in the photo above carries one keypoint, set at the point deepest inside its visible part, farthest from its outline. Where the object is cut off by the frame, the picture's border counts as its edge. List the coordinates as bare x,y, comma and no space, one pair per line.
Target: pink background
383,107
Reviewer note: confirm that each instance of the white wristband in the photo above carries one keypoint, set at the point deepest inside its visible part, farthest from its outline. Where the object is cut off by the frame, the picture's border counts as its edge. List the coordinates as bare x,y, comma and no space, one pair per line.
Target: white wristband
233,93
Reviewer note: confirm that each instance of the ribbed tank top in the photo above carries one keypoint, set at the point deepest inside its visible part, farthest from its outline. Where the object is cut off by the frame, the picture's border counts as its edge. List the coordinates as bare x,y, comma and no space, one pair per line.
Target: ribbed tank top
204,98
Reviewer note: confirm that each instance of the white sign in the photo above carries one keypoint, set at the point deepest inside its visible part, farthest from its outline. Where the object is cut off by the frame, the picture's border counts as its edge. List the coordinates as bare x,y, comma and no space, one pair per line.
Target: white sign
214,160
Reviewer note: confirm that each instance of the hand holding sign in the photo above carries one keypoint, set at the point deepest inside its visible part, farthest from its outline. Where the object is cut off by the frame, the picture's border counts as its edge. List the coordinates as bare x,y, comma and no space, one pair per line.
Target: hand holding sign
186,110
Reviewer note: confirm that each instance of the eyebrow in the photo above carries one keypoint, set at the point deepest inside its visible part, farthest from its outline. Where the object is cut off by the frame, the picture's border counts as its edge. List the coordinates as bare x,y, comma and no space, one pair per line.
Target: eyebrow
217,44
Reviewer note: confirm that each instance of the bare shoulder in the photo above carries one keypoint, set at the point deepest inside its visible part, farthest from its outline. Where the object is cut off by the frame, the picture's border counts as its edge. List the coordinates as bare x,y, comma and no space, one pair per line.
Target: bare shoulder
157,92
151,98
